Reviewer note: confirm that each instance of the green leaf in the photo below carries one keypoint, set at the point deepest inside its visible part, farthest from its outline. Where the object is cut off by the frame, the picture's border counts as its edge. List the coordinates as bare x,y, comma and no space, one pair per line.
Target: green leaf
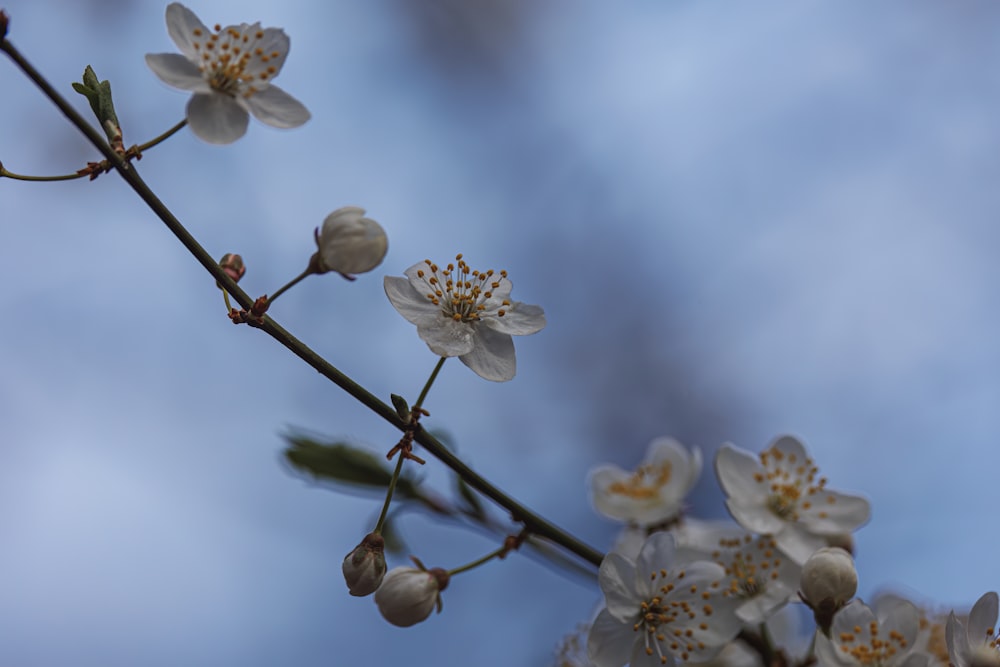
98,93
344,463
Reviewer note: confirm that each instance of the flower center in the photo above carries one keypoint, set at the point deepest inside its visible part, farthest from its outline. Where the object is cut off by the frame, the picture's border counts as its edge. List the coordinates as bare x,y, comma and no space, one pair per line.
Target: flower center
461,293
645,483
791,483
877,651
232,60
749,565
659,612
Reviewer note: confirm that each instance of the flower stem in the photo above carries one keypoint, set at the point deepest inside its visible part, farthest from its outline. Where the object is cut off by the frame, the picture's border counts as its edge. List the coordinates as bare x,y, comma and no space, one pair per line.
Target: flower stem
479,561
388,494
294,281
427,385
163,137
4,173
415,414
538,526
21,177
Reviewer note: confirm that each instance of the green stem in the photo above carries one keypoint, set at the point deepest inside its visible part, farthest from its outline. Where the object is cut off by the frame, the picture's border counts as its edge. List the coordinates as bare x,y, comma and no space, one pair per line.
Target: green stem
534,523
295,281
21,177
430,381
4,173
388,494
479,561
399,462
163,137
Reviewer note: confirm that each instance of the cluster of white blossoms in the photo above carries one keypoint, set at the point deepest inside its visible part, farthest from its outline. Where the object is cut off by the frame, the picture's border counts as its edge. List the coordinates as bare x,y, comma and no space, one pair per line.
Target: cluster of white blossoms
682,590
676,589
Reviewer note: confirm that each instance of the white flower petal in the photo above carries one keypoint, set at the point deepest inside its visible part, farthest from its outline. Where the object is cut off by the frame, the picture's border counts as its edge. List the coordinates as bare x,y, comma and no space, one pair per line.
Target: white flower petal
216,118
182,24
447,338
642,658
754,517
826,651
500,293
273,41
791,447
616,578
275,107
983,617
855,614
900,615
656,554
685,464
735,469
761,607
833,513
520,319
609,643
177,71
409,303
797,543
611,505
918,659
492,355
958,642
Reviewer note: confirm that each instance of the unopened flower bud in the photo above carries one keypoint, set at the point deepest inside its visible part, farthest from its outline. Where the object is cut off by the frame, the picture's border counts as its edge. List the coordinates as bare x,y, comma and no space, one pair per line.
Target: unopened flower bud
829,581
408,595
233,265
349,242
364,567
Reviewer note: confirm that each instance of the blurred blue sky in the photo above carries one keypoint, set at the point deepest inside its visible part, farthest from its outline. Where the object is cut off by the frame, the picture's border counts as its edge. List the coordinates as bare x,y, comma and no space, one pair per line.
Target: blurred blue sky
742,219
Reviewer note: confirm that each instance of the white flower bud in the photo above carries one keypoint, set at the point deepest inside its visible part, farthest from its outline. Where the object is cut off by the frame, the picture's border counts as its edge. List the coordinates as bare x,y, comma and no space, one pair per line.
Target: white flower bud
829,579
408,595
364,567
349,242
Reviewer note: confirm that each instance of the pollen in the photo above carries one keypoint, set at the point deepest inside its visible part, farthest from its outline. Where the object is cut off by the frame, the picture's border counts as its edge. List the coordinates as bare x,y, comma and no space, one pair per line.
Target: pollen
790,482
463,294
871,648
232,60
671,626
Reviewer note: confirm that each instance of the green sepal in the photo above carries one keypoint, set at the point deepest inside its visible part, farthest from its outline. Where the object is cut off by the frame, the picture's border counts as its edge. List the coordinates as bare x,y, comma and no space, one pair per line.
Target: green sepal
98,93
402,407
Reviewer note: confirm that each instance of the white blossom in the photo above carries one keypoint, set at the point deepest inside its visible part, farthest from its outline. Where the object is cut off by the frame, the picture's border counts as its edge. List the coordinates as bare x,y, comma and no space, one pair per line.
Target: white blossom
229,70
657,613
780,493
466,314
864,637
408,595
975,642
654,493
350,243
759,577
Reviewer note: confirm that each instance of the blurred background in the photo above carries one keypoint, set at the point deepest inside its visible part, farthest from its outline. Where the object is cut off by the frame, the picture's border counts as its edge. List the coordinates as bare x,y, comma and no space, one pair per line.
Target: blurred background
742,220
